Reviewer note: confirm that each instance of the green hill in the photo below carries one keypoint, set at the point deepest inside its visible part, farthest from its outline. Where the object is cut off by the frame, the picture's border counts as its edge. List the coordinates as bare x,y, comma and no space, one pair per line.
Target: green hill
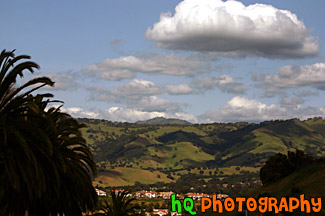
204,150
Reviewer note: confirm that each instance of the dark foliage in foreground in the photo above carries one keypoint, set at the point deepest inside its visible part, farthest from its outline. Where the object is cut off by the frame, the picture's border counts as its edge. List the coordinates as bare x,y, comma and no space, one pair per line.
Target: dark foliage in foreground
45,166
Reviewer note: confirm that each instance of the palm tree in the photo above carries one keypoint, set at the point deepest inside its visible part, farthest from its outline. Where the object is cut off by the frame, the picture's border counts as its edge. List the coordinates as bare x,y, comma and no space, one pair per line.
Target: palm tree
19,167
76,166
120,205
45,165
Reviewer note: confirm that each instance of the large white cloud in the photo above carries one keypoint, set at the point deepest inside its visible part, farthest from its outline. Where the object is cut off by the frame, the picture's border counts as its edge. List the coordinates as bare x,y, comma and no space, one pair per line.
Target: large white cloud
243,109
231,28
129,115
126,66
225,83
79,112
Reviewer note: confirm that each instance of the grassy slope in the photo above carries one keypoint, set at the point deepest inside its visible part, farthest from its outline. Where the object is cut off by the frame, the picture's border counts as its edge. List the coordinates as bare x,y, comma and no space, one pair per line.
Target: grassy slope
277,137
122,176
252,143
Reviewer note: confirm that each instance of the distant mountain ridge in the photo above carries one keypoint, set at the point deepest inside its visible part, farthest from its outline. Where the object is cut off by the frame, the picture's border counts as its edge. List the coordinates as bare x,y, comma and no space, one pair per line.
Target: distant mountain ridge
163,121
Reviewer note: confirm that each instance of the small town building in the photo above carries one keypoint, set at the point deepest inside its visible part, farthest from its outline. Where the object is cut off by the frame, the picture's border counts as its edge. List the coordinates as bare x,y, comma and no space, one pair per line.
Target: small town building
100,192
148,194
197,196
165,195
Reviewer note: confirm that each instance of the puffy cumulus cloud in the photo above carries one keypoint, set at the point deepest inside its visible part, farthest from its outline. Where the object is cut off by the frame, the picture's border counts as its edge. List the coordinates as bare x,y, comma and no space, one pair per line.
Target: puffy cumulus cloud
224,82
127,93
297,76
129,115
181,89
240,109
80,112
154,103
243,109
63,81
237,103
126,66
232,29
132,115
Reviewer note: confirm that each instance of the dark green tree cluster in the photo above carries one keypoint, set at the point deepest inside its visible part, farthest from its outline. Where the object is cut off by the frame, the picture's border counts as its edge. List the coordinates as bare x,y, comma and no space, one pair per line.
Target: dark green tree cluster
45,166
279,166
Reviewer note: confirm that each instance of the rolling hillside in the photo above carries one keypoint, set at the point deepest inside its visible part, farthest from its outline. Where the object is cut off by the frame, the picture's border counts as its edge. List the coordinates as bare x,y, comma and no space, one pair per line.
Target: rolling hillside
169,151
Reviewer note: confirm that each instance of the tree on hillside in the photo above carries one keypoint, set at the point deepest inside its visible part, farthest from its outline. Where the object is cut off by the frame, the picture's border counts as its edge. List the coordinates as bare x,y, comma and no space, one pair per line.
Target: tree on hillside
275,168
44,163
279,166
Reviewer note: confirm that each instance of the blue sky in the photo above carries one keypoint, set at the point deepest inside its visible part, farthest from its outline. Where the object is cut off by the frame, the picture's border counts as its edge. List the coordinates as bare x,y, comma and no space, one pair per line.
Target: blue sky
203,61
